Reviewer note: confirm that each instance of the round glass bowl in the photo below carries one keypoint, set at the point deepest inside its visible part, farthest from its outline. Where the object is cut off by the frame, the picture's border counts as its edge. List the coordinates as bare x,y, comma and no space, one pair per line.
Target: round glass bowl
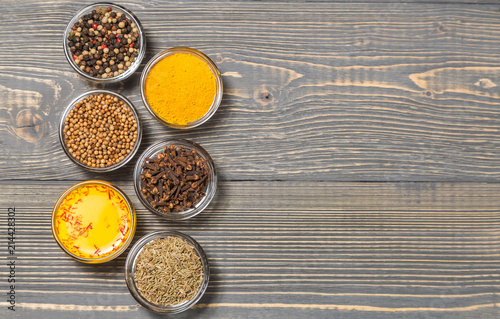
129,155
211,187
130,16
130,268
93,221
210,64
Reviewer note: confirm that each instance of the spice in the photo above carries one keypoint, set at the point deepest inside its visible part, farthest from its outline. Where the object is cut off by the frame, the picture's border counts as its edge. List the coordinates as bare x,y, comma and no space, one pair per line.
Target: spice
175,180
93,221
98,30
100,131
168,271
180,88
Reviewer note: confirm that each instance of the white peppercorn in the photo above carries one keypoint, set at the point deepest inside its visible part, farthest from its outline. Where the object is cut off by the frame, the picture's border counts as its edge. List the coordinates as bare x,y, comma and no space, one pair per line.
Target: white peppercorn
102,36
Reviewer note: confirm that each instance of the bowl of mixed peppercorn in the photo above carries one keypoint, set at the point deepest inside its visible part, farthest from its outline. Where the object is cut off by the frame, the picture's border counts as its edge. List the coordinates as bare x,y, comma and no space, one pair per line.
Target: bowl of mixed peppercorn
175,179
104,43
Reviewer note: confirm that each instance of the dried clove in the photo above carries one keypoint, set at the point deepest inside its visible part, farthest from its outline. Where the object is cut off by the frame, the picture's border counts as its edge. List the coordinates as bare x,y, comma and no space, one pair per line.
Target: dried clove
175,180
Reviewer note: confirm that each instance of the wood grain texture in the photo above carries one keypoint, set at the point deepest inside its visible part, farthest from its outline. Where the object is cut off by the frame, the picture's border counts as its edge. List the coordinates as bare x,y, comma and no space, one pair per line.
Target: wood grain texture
285,249
357,146
336,91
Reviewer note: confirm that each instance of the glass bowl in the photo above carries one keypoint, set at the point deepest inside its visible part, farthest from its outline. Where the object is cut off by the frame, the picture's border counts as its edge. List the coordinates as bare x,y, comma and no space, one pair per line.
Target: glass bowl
120,199
134,112
157,148
130,267
134,65
211,65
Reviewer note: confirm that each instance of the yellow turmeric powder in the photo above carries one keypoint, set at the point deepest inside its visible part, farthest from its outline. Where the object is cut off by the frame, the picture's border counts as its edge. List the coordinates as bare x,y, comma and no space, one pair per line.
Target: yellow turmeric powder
180,88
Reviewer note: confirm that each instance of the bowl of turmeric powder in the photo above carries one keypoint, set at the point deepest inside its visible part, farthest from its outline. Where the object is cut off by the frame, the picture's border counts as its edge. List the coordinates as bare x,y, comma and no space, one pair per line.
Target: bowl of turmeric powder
181,87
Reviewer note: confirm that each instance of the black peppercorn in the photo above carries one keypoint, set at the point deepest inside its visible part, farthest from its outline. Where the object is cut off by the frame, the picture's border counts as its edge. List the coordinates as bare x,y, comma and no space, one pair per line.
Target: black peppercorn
106,54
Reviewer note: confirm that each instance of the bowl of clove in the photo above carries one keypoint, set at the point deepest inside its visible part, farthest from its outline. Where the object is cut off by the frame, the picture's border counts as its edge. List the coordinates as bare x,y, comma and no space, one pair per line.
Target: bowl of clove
175,179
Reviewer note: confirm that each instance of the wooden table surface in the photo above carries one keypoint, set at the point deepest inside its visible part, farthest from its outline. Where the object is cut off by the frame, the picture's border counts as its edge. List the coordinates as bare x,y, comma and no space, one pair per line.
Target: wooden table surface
357,147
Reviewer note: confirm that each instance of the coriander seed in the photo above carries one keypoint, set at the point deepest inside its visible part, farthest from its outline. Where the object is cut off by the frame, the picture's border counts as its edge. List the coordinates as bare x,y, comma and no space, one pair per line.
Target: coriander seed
93,124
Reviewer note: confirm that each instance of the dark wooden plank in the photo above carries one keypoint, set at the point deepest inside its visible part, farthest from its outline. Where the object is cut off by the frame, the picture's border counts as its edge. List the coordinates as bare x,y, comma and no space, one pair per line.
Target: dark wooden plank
345,92
289,249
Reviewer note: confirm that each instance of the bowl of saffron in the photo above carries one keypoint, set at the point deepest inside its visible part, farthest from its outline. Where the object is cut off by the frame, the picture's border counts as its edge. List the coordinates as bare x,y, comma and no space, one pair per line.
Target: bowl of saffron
181,87
93,221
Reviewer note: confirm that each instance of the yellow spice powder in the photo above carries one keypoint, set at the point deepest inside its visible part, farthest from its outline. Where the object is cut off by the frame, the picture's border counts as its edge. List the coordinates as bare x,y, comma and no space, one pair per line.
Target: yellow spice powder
180,88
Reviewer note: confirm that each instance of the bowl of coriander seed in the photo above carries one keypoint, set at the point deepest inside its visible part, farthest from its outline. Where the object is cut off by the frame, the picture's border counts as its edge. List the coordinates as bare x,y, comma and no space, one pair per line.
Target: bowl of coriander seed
100,130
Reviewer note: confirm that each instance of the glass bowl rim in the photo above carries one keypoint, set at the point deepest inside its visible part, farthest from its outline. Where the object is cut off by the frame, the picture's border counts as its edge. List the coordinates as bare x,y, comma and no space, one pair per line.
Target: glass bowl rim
211,188
129,156
210,64
133,222
136,250
131,70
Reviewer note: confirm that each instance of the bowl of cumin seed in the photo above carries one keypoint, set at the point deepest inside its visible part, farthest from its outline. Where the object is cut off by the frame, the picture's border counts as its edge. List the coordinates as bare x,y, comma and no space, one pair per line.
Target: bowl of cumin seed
167,271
